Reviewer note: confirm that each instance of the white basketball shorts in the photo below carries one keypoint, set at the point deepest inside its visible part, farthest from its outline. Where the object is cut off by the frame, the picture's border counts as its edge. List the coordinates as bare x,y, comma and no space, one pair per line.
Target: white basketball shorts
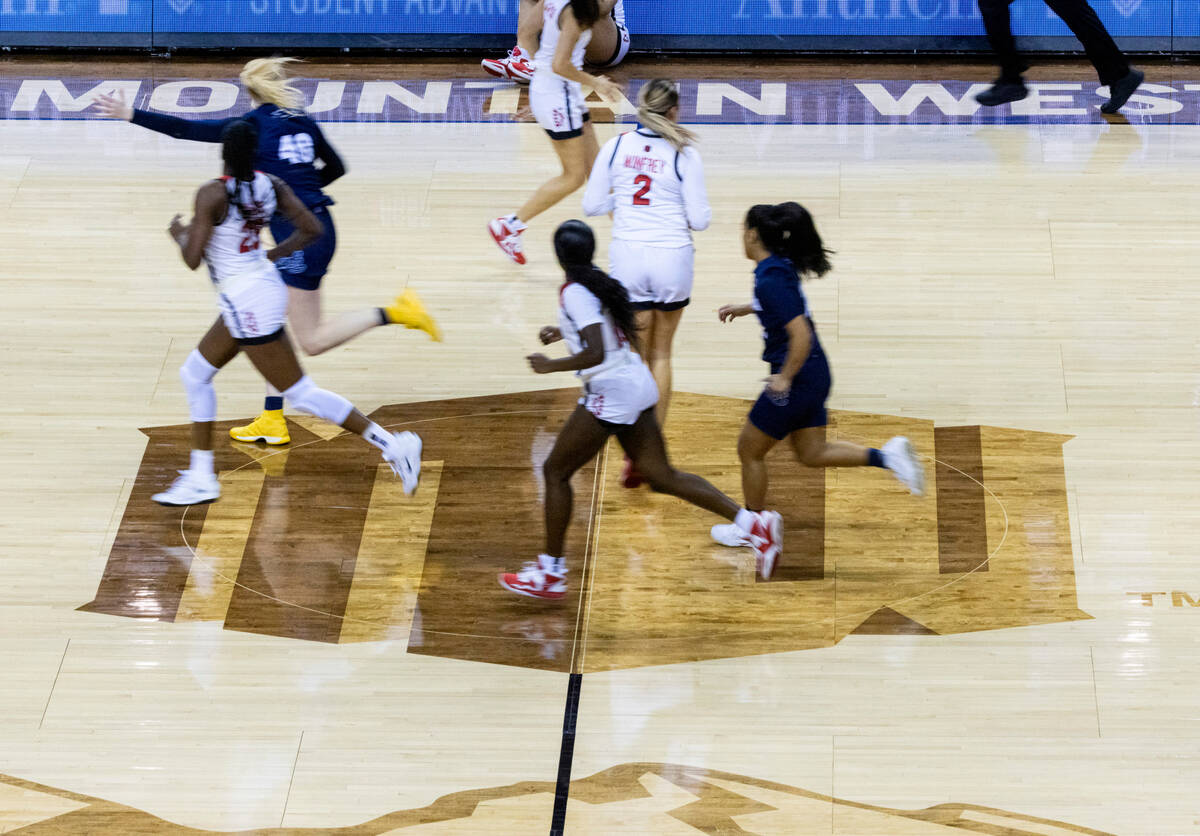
657,278
253,305
557,104
621,395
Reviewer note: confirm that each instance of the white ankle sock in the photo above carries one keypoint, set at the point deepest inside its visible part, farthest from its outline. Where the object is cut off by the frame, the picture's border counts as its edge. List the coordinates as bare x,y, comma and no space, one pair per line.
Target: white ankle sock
515,223
744,520
202,462
553,565
377,435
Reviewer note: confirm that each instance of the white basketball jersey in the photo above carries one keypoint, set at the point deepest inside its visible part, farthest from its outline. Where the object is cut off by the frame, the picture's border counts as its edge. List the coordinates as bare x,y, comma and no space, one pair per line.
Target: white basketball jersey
577,309
646,175
235,247
544,59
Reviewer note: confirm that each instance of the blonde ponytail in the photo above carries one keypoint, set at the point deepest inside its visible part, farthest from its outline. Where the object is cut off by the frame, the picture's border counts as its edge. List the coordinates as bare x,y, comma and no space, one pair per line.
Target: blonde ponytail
266,79
655,100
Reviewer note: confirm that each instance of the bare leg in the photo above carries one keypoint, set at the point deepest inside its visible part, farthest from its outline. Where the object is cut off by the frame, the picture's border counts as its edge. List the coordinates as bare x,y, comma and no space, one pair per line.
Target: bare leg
643,443
576,156
580,439
605,40
662,335
814,451
529,25
753,446
316,336
276,362
218,347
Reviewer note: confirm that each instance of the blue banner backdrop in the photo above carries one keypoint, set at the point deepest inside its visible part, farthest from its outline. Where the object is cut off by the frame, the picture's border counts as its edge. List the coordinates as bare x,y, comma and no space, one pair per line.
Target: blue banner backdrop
712,24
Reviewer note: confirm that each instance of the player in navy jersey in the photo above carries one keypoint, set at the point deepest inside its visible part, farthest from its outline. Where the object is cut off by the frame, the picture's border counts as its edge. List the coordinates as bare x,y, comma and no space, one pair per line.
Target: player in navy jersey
290,145
783,243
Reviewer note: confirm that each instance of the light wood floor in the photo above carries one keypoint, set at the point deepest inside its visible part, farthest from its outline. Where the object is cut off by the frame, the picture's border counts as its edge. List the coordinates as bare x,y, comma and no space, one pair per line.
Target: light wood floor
1029,278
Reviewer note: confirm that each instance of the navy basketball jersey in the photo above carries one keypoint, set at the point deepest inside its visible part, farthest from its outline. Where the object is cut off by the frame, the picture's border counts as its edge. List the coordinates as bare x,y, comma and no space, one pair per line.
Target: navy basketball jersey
288,144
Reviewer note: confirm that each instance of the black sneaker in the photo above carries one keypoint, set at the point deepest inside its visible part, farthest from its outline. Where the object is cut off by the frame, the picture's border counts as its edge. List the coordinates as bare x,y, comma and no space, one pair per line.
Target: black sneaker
1003,92
1120,92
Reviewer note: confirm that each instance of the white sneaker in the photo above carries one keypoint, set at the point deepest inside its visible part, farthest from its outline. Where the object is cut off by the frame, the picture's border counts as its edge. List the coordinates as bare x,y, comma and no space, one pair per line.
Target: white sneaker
900,458
404,455
545,579
507,239
730,535
191,488
766,536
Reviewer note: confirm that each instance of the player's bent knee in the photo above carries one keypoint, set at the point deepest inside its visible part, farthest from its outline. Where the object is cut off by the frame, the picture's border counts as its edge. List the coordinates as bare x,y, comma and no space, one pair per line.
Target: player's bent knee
307,396
197,374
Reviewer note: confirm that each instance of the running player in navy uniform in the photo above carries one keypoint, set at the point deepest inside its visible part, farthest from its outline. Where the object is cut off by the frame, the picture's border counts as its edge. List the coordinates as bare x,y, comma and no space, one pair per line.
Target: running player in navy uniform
783,242
597,321
289,146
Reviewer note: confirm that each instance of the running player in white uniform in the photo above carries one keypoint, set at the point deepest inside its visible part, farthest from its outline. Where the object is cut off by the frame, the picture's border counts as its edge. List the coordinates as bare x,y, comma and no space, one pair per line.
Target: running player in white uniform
596,320
608,47
225,232
652,181
556,99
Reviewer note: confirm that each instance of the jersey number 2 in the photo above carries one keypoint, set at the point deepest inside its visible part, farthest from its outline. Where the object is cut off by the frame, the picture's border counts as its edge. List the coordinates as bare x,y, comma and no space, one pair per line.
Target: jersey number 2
250,240
639,197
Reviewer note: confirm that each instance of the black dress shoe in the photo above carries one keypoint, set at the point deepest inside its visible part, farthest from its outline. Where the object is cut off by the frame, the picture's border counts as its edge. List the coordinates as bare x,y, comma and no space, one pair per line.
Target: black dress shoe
1002,92
1120,92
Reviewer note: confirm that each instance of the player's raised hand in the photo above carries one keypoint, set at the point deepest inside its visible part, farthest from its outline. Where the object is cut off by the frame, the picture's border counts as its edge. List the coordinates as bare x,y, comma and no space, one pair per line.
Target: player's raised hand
114,107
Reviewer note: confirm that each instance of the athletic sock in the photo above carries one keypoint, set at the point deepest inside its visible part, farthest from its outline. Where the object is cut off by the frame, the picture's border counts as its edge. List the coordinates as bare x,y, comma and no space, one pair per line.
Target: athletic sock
875,458
514,223
202,462
557,565
273,403
744,519
377,435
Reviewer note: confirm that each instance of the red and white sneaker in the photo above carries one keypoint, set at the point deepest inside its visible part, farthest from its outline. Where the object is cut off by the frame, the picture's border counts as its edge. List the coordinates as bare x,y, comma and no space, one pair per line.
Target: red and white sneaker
507,239
516,66
766,535
630,478
545,578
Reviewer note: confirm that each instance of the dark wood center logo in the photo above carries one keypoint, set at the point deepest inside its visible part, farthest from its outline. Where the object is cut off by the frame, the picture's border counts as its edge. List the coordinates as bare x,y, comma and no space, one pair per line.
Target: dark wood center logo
317,542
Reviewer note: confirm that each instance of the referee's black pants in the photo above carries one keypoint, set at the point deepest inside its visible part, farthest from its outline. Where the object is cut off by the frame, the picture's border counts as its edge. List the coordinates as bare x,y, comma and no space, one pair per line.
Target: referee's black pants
1104,54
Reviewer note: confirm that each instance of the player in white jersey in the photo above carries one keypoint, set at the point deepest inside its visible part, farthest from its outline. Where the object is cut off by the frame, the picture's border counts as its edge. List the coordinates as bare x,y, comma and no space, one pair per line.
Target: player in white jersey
598,324
556,99
225,232
608,47
652,181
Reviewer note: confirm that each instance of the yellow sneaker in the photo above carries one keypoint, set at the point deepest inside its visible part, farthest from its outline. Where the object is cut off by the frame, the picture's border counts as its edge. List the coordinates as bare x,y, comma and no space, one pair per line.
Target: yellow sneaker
270,427
408,311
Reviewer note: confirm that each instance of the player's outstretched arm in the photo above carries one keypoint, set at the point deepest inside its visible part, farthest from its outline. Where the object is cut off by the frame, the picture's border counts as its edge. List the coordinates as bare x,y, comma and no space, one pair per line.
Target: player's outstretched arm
199,130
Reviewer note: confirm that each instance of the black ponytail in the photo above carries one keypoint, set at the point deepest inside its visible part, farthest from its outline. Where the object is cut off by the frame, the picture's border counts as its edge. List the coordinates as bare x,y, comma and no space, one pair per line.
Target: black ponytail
575,245
787,230
239,149
239,143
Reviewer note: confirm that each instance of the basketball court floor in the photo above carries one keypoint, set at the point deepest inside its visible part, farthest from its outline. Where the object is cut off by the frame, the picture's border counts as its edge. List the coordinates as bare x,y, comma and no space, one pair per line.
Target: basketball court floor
1015,653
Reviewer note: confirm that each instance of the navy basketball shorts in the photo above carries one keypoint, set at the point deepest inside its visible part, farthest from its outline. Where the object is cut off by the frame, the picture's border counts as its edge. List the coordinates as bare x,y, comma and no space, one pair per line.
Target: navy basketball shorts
799,409
305,268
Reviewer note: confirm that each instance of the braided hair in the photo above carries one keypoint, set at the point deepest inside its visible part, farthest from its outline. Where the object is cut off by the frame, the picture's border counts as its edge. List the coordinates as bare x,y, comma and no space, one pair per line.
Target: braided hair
239,149
787,230
574,244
